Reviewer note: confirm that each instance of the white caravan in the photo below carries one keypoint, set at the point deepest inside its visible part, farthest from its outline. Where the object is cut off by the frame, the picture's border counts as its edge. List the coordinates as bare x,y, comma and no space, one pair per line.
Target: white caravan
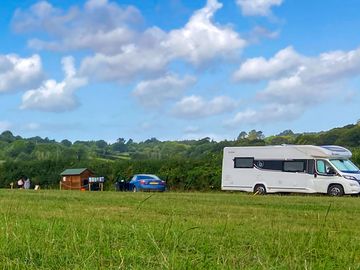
290,168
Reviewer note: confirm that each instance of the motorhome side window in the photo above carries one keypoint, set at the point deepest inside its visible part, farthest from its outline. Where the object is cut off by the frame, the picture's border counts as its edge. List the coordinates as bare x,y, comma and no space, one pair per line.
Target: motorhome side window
294,166
243,162
311,166
323,167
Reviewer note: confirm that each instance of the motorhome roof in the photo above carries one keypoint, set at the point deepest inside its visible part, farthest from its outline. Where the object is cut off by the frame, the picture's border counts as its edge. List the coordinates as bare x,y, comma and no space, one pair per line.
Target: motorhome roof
326,151
298,151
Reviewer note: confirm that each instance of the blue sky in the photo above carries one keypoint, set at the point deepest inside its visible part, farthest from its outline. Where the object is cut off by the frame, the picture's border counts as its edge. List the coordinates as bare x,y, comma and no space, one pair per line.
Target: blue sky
177,69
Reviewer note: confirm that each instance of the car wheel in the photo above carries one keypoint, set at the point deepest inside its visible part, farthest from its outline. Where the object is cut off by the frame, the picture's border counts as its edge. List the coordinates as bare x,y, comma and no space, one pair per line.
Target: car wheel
260,189
335,190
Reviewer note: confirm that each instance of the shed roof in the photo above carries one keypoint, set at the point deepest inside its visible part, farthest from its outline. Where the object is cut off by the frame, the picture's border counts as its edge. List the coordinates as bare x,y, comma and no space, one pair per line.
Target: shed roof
74,171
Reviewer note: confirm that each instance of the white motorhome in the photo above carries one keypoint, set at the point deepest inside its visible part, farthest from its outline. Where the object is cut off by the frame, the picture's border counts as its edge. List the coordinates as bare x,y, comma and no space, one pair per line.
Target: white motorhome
290,168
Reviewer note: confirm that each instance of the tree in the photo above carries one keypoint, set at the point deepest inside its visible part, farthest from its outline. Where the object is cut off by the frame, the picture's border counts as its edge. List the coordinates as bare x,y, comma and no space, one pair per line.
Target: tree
287,132
101,144
7,136
255,135
242,135
120,145
66,143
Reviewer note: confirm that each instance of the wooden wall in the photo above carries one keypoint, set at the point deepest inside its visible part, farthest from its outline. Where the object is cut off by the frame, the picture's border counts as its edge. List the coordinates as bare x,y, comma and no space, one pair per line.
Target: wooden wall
75,182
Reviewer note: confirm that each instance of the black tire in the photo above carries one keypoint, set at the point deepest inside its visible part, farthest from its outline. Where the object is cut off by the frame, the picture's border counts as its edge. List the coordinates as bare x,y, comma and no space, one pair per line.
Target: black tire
260,189
335,190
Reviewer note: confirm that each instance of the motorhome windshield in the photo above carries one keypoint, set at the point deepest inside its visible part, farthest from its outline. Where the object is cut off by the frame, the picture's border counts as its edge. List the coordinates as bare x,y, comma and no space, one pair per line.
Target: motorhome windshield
345,165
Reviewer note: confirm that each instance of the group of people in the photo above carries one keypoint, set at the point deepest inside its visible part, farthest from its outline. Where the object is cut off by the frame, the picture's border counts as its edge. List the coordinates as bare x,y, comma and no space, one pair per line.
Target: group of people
24,183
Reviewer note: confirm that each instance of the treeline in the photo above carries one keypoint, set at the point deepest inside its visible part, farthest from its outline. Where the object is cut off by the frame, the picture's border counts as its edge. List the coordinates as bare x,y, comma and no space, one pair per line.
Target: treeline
185,165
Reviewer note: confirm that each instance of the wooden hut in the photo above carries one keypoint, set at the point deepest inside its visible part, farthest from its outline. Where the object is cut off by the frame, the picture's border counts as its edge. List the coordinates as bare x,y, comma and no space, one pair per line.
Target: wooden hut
75,179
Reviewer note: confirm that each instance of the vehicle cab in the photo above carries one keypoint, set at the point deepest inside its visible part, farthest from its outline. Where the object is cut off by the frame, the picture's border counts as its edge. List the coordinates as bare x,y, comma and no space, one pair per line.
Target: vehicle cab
342,176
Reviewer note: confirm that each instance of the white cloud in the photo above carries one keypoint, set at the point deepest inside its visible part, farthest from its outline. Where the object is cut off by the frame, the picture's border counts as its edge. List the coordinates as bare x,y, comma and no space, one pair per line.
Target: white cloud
17,73
259,32
153,93
133,62
314,80
55,96
197,107
4,125
257,7
122,51
256,69
201,40
268,114
100,26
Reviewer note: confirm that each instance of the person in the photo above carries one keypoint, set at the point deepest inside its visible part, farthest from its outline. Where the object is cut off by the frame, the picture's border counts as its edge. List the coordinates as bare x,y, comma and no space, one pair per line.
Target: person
27,183
20,183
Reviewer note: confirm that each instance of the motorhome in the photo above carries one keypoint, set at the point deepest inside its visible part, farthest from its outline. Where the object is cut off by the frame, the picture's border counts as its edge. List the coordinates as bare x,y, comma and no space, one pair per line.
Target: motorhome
290,168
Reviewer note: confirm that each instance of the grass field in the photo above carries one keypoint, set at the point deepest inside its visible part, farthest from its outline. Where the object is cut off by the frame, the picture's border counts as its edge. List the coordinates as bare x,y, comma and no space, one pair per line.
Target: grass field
108,230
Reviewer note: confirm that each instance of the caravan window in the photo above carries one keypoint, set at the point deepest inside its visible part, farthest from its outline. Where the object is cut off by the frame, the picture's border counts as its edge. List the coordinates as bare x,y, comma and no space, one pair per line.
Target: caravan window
294,166
274,165
244,162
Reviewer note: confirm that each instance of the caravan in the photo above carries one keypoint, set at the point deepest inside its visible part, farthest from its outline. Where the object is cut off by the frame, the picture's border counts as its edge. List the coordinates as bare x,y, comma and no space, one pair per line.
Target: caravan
290,168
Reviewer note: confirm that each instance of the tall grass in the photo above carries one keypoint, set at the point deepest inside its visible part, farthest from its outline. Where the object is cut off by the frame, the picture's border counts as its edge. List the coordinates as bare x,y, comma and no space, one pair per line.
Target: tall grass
108,230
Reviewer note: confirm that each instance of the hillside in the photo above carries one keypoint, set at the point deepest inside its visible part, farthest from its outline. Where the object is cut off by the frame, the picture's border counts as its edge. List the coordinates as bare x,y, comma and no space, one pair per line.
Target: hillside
191,164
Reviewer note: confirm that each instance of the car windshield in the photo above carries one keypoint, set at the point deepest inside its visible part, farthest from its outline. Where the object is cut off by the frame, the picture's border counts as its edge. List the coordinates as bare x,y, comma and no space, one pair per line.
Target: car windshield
345,165
148,177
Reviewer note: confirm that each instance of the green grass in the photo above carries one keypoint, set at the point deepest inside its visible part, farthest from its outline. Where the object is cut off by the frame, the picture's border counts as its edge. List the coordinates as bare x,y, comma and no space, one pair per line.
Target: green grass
108,230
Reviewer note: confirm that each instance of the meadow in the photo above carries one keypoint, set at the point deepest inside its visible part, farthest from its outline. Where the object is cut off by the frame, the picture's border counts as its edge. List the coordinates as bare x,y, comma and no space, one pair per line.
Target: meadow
52,229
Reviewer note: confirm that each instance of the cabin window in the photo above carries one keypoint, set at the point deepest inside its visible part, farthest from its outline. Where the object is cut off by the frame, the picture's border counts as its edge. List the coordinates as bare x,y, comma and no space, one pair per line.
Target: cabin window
294,166
244,162
323,167
274,165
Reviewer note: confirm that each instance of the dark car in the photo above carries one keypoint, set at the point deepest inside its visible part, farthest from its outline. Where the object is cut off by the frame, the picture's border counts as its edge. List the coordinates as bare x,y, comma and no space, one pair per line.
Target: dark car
146,182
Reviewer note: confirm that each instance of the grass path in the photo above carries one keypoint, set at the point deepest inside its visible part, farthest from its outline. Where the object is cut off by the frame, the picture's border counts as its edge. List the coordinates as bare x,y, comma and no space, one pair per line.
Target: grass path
109,230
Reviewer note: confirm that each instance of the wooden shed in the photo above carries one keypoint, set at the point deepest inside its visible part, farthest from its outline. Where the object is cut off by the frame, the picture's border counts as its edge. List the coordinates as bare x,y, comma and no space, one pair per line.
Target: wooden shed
75,179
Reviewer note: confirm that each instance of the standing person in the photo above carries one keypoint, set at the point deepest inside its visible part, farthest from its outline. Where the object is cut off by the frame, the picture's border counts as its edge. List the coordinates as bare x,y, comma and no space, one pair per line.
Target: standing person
20,183
27,183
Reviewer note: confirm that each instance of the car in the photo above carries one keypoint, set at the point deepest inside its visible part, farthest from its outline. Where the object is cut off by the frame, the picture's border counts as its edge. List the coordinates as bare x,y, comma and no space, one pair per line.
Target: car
146,182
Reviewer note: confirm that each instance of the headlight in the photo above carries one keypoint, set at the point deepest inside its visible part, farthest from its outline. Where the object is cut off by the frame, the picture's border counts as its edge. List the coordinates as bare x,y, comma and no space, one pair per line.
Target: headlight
350,177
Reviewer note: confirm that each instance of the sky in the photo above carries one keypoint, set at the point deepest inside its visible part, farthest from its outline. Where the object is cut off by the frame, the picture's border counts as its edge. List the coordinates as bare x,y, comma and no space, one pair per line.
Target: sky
177,69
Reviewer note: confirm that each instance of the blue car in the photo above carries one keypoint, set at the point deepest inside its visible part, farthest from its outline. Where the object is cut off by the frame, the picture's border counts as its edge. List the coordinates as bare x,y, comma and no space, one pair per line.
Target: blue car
146,182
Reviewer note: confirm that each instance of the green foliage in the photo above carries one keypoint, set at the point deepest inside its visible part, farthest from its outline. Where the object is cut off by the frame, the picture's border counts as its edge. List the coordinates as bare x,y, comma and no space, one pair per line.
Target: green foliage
185,165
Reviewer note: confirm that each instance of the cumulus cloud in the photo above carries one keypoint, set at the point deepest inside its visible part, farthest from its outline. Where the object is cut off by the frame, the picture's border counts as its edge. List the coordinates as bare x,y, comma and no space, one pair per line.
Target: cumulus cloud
100,26
320,75
197,107
267,114
153,93
306,82
133,62
256,69
122,51
55,96
200,39
257,7
18,73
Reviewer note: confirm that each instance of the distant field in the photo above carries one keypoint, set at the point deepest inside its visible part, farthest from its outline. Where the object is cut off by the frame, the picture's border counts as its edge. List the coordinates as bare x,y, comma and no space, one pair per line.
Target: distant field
83,230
